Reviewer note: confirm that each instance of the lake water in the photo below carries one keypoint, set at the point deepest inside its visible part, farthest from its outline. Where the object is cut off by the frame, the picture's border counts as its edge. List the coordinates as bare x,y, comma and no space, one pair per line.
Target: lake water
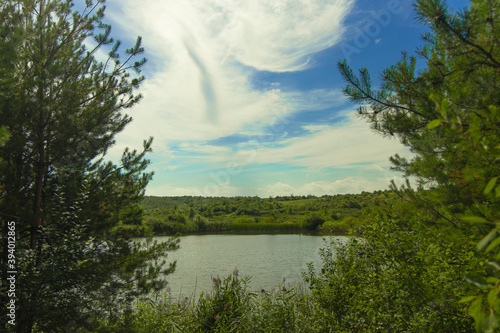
266,258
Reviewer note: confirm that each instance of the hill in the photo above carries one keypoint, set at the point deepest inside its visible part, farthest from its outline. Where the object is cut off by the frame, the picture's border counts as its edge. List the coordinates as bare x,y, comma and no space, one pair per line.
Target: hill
328,214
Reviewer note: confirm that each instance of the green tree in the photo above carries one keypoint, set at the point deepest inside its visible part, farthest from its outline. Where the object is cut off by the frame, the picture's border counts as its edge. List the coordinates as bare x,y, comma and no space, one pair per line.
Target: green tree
408,272
462,72
200,221
63,108
313,221
133,215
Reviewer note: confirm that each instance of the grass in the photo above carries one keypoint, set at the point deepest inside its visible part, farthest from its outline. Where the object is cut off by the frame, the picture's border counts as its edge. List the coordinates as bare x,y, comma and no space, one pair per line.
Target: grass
265,227
230,307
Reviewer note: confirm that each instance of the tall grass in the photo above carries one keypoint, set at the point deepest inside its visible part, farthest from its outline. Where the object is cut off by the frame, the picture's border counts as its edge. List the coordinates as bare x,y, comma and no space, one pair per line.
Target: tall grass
229,307
265,227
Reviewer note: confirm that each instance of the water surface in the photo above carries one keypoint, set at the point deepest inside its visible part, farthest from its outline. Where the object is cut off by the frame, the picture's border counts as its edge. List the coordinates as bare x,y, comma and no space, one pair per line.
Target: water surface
266,258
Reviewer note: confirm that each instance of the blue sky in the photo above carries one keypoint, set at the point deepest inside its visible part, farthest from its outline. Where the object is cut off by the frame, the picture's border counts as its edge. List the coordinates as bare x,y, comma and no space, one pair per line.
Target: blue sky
244,98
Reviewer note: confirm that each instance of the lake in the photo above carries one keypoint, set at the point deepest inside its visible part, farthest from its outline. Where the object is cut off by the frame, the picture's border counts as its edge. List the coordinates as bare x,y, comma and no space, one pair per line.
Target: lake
266,258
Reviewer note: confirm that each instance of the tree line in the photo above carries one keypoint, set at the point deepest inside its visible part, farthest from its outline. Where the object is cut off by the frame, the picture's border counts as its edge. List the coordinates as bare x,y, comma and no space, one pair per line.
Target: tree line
329,214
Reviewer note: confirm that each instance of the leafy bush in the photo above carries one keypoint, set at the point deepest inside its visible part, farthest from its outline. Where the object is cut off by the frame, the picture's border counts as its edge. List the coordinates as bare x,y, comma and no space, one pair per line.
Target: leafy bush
313,221
128,231
401,276
245,219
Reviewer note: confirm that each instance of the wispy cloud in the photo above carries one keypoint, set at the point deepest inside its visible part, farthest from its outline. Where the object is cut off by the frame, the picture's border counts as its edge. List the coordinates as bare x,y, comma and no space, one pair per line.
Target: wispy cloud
279,36
205,53
325,151
200,88
330,146
319,188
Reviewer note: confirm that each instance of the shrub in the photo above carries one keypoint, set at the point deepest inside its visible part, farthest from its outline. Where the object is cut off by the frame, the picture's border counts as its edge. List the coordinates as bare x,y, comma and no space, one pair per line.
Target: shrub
313,221
223,310
127,230
200,222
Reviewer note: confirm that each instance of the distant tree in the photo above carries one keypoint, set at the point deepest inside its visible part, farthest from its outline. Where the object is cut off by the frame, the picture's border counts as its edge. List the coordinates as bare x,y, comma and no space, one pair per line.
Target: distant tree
208,212
180,218
62,108
200,222
313,221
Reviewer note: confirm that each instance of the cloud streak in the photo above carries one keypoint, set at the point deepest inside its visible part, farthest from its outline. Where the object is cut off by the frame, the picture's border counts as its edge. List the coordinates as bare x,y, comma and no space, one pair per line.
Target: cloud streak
325,149
205,54
345,145
200,88
347,185
279,36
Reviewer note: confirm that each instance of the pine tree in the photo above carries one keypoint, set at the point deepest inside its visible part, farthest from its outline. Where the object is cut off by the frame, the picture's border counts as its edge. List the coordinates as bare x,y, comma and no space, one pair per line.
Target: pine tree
418,260
462,75
62,108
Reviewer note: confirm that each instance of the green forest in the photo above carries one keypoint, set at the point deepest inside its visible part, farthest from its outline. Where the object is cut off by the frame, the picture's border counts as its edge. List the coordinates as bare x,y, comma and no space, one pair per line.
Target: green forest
337,214
426,255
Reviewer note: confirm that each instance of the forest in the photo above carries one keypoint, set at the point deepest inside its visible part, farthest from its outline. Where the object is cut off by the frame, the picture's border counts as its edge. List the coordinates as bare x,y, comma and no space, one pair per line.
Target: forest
424,257
329,214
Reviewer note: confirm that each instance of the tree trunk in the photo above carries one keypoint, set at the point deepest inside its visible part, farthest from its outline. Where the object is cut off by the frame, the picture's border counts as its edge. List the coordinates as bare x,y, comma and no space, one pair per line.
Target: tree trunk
40,167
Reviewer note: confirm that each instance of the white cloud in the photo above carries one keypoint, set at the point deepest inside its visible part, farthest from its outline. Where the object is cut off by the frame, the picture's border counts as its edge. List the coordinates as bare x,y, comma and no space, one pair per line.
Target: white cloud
316,128
315,100
349,145
278,188
347,185
280,35
204,149
353,145
200,90
210,189
205,53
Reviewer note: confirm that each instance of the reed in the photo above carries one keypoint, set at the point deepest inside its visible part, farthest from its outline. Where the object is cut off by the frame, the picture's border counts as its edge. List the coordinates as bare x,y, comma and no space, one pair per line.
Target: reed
265,227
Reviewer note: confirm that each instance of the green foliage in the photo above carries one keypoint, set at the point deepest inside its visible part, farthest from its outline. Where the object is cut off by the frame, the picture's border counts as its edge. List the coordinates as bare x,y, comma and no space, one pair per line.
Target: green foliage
283,214
223,310
230,307
313,221
447,114
265,227
457,88
200,222
477,64
348,225
129,231
4,135
61,109
484,306
133,215
74,211
403,275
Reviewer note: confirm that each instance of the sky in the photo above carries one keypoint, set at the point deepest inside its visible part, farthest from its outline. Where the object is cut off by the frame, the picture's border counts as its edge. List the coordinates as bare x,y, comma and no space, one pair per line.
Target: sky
243,97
